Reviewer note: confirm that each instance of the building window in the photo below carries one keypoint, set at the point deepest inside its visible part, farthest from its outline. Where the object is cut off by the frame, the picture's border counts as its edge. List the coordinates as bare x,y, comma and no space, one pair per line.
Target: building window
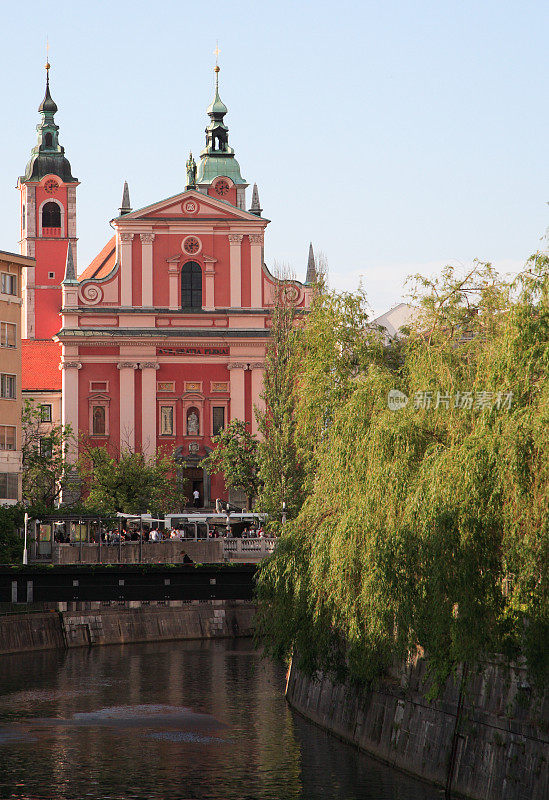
193,422
9,284
218,419
23,217
191,285
48,140
8,485
7,437
51,275
166,420
7,386
45,412
51,215
99,420
45,447
8,333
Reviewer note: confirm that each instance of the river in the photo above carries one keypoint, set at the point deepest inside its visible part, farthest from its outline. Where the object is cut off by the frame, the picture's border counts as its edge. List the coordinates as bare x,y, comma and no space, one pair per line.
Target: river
171,721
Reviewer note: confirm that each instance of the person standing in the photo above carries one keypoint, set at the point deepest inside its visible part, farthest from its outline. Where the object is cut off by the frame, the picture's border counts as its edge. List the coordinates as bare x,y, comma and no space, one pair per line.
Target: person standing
196,498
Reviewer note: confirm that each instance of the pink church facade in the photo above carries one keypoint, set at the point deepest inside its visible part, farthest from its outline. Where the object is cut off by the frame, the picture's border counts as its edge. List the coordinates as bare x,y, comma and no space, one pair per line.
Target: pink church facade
162,338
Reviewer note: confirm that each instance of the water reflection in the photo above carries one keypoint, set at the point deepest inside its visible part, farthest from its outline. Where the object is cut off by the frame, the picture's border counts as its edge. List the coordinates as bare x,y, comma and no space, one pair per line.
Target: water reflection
171,720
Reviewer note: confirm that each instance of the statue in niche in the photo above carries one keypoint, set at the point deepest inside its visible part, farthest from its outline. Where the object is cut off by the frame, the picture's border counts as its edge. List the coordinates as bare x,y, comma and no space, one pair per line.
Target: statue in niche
192,423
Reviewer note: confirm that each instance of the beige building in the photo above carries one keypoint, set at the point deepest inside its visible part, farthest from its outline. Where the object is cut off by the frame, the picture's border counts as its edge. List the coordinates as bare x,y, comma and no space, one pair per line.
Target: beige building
11,279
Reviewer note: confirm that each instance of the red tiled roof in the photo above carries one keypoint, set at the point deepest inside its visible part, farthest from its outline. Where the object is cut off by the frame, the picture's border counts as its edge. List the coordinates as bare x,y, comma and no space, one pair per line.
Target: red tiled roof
102,264
41,359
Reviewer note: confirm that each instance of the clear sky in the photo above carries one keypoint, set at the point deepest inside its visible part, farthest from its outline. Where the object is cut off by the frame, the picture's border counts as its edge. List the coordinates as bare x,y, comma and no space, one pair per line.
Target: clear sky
398,136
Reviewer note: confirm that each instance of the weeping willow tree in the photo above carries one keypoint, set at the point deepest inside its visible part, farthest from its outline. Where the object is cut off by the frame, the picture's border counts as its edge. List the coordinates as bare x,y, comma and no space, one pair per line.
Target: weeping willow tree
426,526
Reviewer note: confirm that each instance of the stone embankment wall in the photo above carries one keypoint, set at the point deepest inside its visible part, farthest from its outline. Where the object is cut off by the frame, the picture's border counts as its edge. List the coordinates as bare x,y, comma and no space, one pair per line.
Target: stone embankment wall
486,737
95,624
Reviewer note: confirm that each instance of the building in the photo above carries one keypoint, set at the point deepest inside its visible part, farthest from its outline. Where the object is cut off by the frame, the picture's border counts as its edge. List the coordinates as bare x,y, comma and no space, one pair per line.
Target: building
12,272
163,336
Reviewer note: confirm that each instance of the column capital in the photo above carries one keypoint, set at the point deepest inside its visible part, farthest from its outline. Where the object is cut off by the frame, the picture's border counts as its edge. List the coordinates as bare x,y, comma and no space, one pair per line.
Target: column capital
257,365
237,365
235,238
256,238
147,238
127,365
149,365
126,238
70,365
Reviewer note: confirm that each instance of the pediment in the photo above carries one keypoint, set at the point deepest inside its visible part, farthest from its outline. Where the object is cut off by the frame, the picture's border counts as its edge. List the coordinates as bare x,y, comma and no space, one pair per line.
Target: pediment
190,205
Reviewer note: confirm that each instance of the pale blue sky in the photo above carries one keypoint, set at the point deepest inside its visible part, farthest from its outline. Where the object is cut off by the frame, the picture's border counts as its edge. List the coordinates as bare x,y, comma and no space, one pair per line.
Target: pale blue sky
397,136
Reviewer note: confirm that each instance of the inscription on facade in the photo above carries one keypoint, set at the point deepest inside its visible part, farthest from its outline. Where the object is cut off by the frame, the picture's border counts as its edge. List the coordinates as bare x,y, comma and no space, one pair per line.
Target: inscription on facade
192,351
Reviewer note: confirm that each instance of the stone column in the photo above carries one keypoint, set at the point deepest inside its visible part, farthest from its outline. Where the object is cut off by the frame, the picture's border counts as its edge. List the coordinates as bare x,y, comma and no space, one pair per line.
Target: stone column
235,241
147,269
209,274
257,387
69,408
238,406
71,222
256,250
126,298
148,407
127,405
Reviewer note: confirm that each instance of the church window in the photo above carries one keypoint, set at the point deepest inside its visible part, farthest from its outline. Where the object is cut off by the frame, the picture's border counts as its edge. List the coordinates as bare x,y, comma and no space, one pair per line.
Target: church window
48,140
24,217
218,419
51,216
193,422
99,421
191,285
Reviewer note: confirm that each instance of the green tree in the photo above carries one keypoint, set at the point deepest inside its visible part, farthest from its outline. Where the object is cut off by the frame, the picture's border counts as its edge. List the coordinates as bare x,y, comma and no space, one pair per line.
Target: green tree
44,446
131,483
11,543
428,527
280,467
235,456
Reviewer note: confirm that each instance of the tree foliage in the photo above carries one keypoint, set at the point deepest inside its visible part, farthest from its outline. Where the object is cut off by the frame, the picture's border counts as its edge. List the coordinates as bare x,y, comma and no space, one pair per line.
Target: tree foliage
11,543
44,447
131,483
235,455
426,526
280,466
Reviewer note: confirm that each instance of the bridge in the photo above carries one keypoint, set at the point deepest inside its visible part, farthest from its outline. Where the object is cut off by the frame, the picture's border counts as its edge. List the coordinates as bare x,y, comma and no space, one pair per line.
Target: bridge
53,583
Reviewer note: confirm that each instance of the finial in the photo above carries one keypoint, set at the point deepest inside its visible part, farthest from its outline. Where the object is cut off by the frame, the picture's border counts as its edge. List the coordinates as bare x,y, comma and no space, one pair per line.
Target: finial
70,272
48,57
255,208
125,208
311,266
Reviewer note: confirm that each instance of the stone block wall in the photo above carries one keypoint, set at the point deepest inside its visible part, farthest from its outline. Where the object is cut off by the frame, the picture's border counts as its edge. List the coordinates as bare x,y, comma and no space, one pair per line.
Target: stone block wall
494,747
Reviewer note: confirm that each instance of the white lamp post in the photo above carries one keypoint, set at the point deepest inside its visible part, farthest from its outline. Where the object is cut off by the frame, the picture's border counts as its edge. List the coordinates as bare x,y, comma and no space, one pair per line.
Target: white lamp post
25,545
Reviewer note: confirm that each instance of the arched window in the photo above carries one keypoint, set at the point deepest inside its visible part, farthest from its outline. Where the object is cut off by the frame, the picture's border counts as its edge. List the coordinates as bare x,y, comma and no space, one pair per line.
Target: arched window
193,422
51,215
191,285
48,140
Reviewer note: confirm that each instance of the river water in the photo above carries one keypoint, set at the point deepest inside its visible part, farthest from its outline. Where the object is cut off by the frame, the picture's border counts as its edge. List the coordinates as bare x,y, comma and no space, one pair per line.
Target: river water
171,721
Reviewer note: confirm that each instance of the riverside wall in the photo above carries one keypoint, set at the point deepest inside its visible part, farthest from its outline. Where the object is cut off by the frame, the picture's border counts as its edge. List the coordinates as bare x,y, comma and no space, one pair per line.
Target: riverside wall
90,624
486,737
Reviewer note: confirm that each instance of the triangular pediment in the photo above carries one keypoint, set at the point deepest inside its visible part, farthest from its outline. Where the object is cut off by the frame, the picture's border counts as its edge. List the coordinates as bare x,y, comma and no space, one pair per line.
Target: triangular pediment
191,205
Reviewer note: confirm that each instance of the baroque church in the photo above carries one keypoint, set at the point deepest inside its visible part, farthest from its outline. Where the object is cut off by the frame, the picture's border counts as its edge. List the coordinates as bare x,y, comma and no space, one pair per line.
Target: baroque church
160,341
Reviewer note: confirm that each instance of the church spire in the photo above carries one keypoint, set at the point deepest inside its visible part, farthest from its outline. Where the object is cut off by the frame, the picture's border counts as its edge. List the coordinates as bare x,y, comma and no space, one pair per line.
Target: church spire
217,158
311,266
125,208
48,157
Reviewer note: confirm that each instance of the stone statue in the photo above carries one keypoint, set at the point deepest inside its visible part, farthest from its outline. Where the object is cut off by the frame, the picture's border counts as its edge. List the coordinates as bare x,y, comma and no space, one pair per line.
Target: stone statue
191,172
192,424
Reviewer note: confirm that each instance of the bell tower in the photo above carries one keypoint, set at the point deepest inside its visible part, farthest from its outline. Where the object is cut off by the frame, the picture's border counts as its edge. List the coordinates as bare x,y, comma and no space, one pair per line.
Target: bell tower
48,224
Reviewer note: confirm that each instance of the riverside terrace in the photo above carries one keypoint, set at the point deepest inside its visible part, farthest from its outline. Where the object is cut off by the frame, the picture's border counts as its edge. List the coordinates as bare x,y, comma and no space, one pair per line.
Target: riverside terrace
125,539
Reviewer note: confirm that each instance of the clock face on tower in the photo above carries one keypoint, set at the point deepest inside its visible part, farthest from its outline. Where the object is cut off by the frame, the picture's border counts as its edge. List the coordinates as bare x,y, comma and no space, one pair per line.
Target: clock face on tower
222,188
50,186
